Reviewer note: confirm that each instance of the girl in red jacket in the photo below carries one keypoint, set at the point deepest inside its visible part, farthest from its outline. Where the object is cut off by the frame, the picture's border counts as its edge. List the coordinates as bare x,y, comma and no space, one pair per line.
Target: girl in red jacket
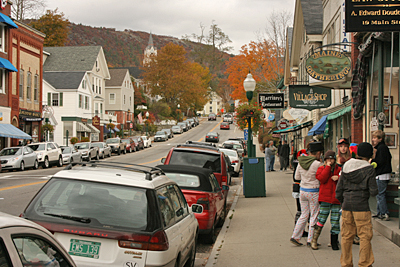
328,175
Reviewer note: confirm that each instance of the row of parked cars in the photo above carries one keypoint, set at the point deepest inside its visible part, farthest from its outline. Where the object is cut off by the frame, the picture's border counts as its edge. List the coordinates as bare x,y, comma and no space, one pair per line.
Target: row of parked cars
179,128
46,154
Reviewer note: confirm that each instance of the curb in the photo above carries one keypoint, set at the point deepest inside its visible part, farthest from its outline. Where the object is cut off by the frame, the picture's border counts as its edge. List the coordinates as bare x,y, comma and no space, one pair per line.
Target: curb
213,258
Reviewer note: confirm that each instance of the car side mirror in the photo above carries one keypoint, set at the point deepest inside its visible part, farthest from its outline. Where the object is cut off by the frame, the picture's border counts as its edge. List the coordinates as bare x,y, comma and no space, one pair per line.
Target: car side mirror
163,160
26,153
179,212
49,148
196,208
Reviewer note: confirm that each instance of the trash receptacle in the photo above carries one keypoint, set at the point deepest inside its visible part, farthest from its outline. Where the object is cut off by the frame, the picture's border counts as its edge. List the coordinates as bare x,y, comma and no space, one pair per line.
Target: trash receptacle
254,177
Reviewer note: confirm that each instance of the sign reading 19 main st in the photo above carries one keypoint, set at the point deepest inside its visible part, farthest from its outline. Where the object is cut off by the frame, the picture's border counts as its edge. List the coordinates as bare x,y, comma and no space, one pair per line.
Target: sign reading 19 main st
372,16
309,97
272,101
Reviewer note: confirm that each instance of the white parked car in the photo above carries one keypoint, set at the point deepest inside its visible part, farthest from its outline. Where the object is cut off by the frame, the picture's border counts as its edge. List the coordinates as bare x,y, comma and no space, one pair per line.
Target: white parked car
19,157
160,136
48,153
113,215
25,243
236,161
177,129
104,149
146,141
70,154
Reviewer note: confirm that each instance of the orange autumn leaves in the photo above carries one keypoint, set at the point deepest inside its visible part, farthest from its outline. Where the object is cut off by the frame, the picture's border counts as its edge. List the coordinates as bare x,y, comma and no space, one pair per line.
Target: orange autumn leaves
262,60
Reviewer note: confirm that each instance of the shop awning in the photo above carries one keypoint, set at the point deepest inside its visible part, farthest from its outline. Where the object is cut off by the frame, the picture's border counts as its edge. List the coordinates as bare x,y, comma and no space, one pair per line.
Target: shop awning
318,128
93,129
9,130
80,127
7,20
106,131
339,113
5,64
294,128
116,129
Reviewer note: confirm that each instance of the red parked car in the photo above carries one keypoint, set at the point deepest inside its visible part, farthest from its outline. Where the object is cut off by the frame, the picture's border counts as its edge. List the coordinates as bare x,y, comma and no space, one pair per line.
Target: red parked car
200,186
130,145
224,125
139,143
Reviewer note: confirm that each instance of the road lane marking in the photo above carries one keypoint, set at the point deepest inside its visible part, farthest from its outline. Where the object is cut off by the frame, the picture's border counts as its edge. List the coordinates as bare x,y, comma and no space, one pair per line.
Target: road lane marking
22,185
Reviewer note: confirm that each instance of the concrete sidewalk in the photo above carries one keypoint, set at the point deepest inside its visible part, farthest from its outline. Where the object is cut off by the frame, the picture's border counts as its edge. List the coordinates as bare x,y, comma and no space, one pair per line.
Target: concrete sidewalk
257,232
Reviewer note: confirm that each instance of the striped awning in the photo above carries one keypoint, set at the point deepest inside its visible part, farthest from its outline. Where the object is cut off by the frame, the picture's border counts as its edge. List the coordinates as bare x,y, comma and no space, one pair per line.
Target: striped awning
9,130
93,129
80,127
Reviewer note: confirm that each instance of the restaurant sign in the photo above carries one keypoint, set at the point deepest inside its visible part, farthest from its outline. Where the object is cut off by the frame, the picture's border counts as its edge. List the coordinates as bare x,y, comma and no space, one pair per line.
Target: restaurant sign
328,65
372,16
273,101
96,121
309,97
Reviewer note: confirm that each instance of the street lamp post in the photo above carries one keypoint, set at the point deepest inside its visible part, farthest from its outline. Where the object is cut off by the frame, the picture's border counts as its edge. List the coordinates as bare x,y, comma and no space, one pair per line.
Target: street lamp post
179,111
147,117
47,121
109,125
249,85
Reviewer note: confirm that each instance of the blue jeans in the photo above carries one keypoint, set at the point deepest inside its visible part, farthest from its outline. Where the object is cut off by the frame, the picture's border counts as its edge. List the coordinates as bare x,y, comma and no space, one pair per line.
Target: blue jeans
381,197
267,164
271,166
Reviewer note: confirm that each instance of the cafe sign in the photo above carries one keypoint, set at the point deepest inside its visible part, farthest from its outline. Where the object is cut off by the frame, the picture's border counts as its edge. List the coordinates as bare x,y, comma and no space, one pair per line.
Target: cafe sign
372,16
309,97
328,65
96,121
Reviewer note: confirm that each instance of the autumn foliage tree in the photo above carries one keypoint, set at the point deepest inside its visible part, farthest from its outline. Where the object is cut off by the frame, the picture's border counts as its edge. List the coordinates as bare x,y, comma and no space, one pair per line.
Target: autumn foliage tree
55,26
177,80
260,59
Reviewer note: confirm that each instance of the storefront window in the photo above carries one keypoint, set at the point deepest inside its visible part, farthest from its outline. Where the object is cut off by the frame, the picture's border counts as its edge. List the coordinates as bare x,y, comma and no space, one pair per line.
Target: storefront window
2,79
28,85
21,84
36,88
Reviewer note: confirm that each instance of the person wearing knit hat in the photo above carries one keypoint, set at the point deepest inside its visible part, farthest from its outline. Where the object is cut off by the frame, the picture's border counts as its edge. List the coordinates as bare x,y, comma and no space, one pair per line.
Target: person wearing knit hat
309,191
356,185
328,176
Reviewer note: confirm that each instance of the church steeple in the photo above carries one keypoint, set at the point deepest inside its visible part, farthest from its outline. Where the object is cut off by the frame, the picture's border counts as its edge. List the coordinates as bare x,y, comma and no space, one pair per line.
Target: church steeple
149,51
150,41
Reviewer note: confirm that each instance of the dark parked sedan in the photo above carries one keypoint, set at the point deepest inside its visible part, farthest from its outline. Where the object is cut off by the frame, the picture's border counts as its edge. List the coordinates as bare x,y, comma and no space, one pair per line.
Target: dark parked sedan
212,137
139,143
212,117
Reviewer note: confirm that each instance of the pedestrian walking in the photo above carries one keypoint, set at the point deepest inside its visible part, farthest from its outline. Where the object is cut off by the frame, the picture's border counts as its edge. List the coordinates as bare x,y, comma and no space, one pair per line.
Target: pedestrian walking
279,154
272,159
328,176
268,154
309,191
285,153
356,185
383,159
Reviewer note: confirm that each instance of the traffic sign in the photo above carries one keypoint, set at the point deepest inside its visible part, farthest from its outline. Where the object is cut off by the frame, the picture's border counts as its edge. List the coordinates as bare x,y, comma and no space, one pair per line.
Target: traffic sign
246,134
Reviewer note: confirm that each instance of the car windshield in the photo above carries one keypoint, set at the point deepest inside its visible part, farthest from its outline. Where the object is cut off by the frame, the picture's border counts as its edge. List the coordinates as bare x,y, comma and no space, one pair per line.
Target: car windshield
99,203
97,145
212,134
38,147
194,158
112,140
127,141
82,146
66,150
160,133
11,151
184,180
230,153
176,127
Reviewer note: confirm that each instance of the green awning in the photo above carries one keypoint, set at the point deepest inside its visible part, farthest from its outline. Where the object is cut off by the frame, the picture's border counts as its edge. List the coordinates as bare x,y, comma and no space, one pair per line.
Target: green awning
338,113
294,128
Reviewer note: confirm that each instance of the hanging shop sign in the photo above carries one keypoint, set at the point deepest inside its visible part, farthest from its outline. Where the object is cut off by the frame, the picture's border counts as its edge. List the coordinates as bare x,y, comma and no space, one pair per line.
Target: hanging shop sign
374,124
298,114
309,97
271,117
3,4
96,121
272,101
283,124
328,65
372,16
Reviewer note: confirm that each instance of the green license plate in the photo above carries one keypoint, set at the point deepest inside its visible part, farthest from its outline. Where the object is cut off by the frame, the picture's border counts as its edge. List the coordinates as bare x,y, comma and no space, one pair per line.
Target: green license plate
84,248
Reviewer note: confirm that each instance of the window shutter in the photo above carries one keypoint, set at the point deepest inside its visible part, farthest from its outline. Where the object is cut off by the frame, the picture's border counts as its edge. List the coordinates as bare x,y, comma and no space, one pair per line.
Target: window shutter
61,99
49,99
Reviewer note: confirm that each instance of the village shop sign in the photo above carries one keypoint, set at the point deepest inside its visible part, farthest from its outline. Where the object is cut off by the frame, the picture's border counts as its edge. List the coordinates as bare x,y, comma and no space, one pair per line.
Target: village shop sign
372,16
309,97
328,65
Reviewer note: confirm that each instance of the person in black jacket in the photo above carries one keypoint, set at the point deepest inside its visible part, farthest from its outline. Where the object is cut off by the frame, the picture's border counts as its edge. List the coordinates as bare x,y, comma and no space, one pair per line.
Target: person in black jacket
356,184
284,154
383,159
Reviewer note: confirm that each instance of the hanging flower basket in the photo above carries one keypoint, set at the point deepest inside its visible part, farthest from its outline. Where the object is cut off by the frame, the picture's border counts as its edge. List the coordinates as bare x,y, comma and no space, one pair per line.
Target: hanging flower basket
246,111
110,126
47,128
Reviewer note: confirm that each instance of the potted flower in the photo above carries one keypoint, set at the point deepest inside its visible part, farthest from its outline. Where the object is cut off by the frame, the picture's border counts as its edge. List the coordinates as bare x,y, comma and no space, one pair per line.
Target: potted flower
246,111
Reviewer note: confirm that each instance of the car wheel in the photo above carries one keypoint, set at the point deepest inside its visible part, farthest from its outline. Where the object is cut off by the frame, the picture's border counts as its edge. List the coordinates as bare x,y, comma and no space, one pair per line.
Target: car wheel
22,166
178,261
210,237
119,151
103,155
80,160
97,156
60,162
222,217
192,258
125,150
46,162
71,160
36,165
130,150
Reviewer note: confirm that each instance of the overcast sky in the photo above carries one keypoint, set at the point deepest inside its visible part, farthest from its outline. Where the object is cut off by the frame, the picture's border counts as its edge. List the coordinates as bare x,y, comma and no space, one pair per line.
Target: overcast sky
241,20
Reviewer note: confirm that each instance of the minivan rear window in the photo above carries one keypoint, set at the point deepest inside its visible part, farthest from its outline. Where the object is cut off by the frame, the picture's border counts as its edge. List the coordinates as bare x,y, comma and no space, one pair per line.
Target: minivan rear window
99,205
199,159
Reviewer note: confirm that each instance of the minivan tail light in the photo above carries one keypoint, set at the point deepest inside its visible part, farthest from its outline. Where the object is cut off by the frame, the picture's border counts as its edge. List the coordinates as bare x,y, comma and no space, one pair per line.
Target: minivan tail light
235,161
204,202
224,178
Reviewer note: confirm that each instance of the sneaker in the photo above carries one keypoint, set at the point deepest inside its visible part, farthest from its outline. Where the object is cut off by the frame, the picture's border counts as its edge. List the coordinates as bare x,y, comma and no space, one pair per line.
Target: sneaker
294,241
385,217
377,216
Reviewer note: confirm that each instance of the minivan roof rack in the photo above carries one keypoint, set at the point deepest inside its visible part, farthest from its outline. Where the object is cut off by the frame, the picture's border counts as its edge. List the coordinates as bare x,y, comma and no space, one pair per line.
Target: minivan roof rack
199,146
200,143
138,168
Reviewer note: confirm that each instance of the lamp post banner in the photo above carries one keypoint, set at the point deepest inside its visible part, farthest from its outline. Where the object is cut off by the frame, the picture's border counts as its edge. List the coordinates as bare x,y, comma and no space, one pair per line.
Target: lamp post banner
372,16
309,97
272,101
